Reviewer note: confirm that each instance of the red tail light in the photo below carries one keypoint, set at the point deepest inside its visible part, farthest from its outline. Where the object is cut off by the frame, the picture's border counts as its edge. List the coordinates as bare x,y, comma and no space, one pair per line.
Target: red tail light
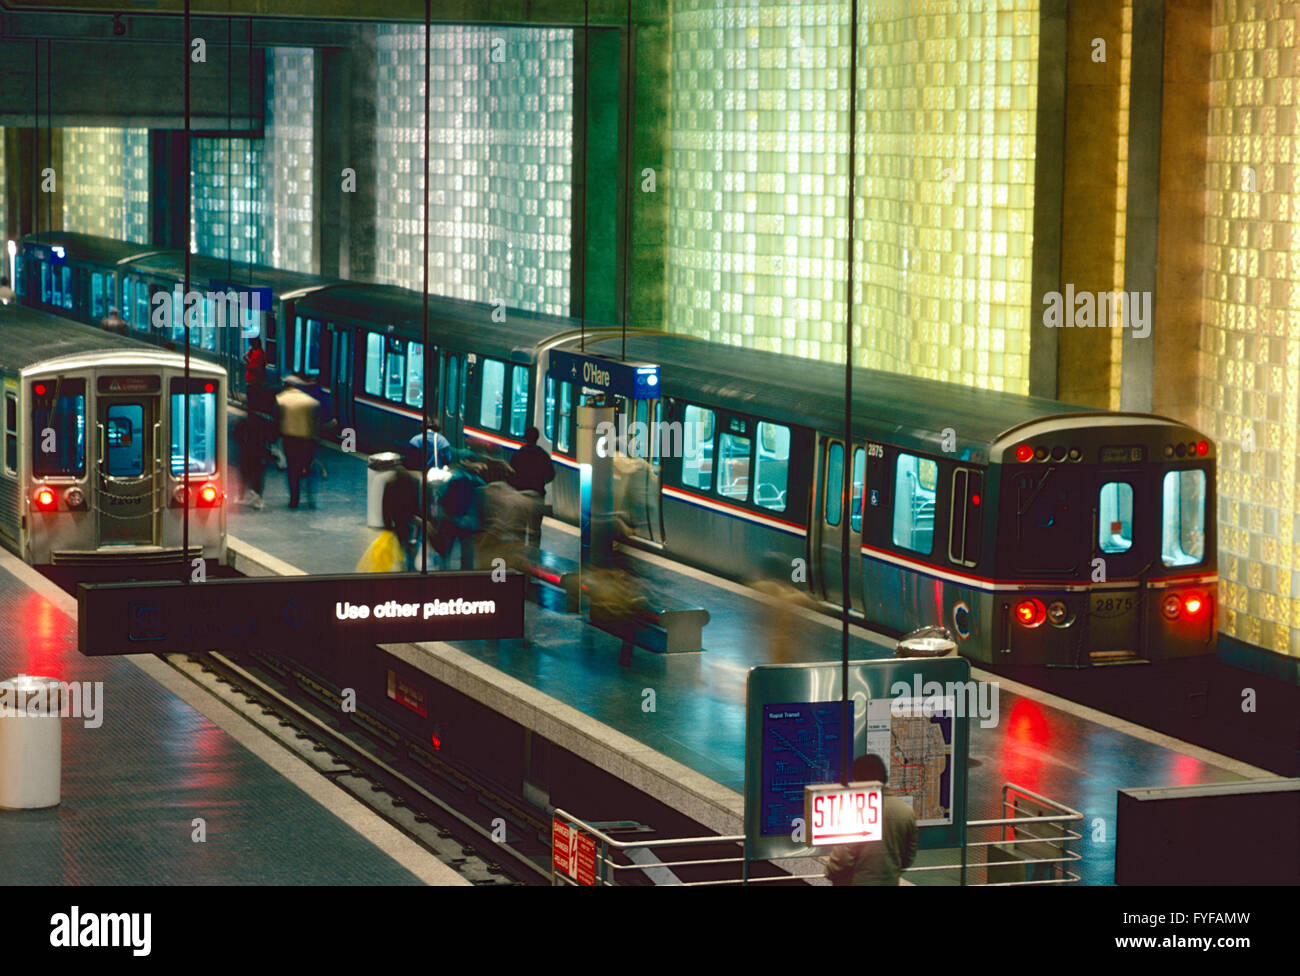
1024,452
1030,613
209,496
45,500
1193,603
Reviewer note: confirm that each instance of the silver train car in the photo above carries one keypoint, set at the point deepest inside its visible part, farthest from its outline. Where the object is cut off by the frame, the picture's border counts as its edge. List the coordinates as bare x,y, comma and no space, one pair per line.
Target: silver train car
95,447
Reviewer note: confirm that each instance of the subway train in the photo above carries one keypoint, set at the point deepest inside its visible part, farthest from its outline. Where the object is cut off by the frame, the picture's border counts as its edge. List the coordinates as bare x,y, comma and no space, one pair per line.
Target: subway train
95,448
1039,533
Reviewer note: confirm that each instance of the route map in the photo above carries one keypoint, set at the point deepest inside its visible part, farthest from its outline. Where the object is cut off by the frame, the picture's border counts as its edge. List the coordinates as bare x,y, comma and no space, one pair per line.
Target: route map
916,735
801,745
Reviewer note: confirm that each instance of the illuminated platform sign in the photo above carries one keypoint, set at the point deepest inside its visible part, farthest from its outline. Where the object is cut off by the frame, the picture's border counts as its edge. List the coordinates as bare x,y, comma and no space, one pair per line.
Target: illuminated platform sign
838,814
637,381
285,612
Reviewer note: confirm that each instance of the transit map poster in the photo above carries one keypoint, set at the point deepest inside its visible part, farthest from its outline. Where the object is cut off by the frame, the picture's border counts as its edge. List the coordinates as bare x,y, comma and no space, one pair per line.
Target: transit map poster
916,736
802,745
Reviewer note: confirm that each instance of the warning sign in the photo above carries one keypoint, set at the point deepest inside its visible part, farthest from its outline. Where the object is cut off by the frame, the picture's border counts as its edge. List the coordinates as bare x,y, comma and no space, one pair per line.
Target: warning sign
573,853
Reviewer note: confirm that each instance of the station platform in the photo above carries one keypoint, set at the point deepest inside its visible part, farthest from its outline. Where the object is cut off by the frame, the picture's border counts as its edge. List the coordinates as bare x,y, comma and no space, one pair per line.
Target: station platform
161,754
570,686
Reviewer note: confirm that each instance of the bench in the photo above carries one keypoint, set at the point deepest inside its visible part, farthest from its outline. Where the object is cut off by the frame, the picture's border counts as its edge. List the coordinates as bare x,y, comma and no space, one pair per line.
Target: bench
546,569
662,625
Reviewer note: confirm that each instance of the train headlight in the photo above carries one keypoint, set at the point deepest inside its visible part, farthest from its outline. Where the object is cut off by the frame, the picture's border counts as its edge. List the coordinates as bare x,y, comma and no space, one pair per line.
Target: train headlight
1059,614
45,500
1172,606
1031,613
74,498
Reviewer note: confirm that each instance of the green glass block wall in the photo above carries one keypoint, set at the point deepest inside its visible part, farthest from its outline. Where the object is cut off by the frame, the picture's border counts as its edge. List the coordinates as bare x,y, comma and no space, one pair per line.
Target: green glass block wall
944,191
106,182
1251,337
4,229
500,163
252,198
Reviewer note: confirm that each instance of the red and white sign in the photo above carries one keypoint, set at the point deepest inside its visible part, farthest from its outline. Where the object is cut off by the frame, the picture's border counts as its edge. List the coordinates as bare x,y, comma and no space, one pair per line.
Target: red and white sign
838,814
573,853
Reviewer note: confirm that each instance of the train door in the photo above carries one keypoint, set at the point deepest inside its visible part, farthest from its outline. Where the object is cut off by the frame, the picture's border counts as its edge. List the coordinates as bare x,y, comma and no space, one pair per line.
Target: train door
829,513
637,466
127,482
340,375
1121,503
453,386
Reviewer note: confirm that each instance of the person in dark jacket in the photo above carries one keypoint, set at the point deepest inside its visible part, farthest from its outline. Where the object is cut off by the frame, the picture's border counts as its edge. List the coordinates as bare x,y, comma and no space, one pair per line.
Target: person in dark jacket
876,862
461,502
533,472
401,506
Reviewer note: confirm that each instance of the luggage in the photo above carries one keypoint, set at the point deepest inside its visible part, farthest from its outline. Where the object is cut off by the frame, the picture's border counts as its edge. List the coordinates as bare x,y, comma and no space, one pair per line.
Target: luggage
384,555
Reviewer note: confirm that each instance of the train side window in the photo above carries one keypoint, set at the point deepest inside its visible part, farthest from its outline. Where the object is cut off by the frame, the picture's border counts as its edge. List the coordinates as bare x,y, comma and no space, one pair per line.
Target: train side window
11,433
203,432
1182,533
453,384
141,305
654,431
548,421
697,448
127,305
733,466
833,508
97,295
1115,517
395,370
415,375
374,364
915,481
47,297
311,355
518,400
859,471
965,526
67,286
62,410
492,394
271,336
562,417
297,344
20,275
208,336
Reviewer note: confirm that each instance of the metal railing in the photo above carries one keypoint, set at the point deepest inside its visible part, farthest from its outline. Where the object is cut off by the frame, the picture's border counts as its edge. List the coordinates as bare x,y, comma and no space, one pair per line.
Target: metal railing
1034,847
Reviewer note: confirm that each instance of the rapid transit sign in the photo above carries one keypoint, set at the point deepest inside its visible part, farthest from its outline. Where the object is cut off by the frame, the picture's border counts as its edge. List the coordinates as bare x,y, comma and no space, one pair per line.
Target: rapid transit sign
636,381
266,613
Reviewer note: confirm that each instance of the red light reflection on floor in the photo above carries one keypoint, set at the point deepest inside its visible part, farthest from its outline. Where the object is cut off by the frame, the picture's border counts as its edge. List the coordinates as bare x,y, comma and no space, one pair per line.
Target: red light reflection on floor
1186,771
42,623
1028,733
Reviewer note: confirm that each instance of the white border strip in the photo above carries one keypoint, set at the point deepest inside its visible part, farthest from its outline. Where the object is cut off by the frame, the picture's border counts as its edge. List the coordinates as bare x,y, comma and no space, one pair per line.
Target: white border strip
712,506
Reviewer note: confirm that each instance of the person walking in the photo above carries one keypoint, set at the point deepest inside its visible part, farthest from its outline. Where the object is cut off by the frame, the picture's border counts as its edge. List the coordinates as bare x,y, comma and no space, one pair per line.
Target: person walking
461,502
434,445
250,434
7,296
401,506
255,375
876,862
112,322
297,412
534,470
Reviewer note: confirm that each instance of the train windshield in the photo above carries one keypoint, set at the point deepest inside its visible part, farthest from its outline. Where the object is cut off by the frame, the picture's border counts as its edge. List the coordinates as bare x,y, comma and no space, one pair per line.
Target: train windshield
203,433
1047,521
58,428
1182,534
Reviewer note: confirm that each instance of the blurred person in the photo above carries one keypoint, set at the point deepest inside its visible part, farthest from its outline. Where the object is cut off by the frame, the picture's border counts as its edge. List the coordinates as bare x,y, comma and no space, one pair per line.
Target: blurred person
297,411
533,471
401,506
461,506
251,436
7,295
113,322
506,515
876,862
433,445
779,618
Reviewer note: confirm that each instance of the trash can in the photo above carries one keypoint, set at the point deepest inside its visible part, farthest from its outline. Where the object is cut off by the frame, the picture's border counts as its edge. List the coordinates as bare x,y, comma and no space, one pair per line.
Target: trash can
380,470
926,642
31,742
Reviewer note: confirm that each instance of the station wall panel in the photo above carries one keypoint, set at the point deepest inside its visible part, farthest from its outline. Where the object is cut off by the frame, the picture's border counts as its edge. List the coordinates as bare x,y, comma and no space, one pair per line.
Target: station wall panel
106,182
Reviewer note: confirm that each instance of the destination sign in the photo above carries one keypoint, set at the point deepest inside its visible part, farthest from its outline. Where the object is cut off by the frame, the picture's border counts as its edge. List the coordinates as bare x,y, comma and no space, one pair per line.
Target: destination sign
637,381
130,384
284,612
1122,455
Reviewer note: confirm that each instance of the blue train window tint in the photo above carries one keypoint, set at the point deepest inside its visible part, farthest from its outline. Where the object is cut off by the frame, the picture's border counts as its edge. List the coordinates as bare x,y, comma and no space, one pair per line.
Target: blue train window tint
562,417
859,472
97,295
915,480
178,317
374,383
11,433
733,466
549,420
141,305
311,349
127,304
518,400
47,297
208,335
834,507
203,433
297,344
1182,533
124,440
415,375
697,448
395,371
453,387
20,275
67,286
772,466
1115,517
63,414
656,431
492,399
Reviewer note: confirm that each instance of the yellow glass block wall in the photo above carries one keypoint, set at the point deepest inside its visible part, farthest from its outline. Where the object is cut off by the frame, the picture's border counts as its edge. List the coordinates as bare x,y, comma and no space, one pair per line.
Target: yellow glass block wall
944,194
1121,202
1251,337
4,230
105,182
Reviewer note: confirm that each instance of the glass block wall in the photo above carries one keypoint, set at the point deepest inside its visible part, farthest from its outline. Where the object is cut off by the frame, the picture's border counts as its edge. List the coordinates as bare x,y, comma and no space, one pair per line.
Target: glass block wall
106,182
944,188
4,230
500,173
252,198
1251,336
1121,202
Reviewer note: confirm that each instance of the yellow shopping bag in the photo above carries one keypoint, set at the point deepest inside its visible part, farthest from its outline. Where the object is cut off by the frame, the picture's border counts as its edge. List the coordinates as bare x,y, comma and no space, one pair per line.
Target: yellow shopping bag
383,556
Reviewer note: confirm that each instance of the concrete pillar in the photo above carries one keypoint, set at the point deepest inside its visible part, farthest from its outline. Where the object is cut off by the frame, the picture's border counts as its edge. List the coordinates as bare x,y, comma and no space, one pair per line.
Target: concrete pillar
1049,167
169,188
344,138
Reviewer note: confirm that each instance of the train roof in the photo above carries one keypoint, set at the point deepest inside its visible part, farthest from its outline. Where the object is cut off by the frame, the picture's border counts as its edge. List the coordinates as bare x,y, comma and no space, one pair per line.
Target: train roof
892,407
88,247
403,309
203,270
29,337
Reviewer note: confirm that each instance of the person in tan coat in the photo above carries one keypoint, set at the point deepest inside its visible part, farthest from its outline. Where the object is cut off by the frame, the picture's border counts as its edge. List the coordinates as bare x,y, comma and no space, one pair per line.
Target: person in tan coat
297,410
876,862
